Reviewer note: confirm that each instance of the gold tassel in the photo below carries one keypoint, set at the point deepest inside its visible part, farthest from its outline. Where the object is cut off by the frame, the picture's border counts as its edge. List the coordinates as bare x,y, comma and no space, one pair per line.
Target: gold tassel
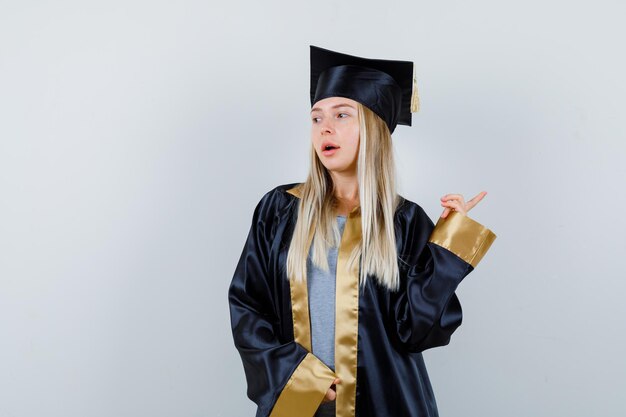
415,101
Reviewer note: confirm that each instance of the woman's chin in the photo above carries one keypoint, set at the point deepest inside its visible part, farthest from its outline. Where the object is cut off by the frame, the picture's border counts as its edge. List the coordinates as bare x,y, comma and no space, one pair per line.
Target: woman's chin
336,168
334,164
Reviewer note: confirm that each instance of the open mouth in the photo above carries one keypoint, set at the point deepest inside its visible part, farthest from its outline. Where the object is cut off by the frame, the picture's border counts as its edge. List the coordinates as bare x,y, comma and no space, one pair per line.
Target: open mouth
328,146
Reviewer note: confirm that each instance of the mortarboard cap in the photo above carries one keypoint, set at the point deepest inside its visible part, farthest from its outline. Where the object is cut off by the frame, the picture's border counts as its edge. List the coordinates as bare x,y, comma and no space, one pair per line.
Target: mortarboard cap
386,87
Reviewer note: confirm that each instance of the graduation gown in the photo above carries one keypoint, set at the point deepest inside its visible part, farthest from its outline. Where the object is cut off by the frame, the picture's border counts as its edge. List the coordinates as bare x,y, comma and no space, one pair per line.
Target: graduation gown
379,334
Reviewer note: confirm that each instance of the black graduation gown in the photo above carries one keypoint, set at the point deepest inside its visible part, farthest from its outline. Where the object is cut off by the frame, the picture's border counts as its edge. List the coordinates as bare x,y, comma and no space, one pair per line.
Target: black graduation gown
379,334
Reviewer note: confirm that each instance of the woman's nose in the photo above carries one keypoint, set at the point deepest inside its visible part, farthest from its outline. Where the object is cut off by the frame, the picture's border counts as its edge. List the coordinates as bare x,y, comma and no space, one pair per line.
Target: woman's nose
327,127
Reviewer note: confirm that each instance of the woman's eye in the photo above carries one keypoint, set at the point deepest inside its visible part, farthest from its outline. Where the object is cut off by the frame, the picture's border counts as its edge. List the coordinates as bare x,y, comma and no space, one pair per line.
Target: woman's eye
345,114
315,119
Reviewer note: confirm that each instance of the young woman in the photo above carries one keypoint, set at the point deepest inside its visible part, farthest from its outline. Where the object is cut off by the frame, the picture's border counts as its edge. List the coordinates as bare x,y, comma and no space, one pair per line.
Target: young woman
342,282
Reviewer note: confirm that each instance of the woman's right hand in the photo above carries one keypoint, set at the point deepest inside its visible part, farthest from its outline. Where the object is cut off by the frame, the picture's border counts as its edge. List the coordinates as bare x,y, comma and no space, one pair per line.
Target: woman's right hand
331,394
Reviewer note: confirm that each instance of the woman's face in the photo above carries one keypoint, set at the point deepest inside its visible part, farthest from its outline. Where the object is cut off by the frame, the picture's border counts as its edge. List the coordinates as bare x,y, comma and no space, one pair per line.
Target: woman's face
335,122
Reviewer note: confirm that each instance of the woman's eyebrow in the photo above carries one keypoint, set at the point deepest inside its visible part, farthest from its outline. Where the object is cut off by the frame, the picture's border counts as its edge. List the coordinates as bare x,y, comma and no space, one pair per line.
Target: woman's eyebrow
333,107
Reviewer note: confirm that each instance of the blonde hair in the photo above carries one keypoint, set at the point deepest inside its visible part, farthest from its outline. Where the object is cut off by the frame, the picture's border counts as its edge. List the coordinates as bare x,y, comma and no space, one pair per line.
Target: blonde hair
316,224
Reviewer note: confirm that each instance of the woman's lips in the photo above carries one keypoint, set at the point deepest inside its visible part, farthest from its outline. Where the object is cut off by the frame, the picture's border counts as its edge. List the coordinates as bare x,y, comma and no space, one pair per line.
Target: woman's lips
329,152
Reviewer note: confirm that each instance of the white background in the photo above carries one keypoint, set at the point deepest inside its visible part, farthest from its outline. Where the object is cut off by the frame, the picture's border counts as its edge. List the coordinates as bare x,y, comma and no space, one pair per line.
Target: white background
137,136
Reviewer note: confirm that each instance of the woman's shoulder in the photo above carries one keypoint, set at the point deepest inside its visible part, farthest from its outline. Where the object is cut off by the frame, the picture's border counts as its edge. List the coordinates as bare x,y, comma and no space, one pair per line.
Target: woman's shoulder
293,189
283,191
409,212
277,199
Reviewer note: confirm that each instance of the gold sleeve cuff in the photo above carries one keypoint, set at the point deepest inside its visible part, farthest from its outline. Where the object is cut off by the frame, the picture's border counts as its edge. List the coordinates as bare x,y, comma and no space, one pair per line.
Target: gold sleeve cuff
305,390
464,237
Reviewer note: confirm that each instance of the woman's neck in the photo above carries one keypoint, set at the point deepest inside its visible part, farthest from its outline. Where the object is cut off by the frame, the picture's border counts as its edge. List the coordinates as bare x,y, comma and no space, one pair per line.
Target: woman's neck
346,193
344,208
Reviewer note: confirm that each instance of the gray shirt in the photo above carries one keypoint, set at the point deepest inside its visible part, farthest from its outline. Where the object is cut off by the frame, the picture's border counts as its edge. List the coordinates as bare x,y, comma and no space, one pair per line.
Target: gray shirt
321,289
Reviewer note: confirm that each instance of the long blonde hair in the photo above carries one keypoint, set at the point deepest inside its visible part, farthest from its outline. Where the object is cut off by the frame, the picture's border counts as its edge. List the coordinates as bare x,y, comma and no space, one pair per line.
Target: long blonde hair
316,223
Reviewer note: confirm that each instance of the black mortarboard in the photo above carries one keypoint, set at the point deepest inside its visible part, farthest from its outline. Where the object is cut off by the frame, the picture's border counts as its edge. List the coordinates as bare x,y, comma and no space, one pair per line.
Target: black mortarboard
386,87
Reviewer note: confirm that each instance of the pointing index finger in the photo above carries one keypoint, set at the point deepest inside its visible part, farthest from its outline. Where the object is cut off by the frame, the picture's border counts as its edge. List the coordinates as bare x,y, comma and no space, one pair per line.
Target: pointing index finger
475,200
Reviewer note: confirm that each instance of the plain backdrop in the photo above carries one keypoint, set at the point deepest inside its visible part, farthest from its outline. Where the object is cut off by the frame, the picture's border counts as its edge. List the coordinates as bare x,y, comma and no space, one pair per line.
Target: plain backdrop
136,138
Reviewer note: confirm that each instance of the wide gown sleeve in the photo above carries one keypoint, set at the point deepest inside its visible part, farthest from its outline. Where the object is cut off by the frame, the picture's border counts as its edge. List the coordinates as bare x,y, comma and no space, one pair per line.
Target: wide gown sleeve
426,310
283,378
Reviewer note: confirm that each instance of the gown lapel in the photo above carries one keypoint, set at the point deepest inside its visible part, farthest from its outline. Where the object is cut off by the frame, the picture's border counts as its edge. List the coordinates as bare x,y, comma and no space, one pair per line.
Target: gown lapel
346,313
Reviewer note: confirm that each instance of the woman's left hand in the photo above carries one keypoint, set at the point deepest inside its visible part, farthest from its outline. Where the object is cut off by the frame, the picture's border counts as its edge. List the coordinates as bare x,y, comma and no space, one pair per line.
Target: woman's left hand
455,202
